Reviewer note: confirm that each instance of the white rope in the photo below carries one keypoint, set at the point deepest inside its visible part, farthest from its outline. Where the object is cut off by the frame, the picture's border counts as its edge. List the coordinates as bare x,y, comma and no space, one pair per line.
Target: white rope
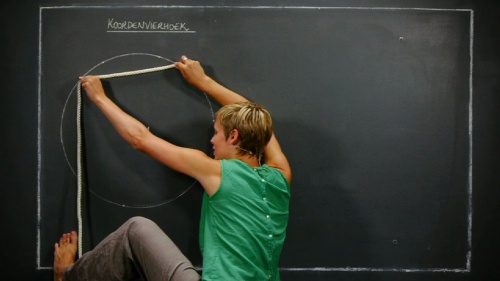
79,168
136,72
79,173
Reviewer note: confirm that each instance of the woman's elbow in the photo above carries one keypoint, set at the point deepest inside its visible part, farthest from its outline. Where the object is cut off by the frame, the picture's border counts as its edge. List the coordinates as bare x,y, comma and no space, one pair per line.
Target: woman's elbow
139,141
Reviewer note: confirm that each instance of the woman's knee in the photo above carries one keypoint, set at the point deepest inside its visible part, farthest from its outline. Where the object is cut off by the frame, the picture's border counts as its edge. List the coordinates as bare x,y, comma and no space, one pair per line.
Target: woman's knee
138,220
141,227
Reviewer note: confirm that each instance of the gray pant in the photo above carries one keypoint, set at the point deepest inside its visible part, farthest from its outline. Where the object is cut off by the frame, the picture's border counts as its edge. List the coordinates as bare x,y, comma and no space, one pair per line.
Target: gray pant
139,248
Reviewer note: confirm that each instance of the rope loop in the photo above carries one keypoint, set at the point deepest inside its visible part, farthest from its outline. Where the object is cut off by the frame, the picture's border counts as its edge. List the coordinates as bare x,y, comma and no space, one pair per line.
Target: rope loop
79,173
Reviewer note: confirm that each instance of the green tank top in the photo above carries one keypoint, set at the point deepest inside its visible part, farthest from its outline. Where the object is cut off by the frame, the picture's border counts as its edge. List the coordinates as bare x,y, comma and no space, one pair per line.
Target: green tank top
243,225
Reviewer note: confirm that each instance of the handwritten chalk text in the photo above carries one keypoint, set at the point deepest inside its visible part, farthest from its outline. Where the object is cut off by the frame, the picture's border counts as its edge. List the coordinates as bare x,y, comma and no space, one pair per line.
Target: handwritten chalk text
146,26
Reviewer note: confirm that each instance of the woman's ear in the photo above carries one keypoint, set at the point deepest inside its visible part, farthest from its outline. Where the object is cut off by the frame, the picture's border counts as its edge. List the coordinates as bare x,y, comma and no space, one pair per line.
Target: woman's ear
234,137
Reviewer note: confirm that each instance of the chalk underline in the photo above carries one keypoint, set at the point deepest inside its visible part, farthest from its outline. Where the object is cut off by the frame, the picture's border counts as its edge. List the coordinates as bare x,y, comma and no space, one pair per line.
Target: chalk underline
149,31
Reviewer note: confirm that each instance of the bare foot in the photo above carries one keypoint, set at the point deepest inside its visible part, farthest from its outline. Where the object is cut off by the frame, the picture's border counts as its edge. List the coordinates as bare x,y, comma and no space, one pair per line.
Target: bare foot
64,254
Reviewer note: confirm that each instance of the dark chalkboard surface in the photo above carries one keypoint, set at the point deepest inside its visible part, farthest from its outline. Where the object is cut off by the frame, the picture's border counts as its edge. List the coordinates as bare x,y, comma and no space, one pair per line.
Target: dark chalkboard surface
372,107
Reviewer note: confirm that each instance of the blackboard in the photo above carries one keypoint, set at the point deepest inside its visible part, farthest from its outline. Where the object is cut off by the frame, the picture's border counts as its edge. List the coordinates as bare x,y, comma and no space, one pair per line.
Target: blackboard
371,105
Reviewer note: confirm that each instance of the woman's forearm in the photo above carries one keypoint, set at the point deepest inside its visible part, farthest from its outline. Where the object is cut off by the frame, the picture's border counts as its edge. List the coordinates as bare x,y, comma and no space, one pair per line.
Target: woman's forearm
221,94
133,131
193,72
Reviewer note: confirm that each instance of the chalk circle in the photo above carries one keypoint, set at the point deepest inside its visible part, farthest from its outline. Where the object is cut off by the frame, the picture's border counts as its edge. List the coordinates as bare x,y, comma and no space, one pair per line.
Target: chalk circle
163,101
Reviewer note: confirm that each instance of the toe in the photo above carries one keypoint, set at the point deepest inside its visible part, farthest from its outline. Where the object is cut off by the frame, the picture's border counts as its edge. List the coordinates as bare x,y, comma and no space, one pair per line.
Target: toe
73,237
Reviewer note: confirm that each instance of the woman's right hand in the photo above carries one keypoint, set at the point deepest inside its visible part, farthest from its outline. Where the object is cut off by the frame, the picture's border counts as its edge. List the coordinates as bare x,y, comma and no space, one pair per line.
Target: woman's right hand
192,71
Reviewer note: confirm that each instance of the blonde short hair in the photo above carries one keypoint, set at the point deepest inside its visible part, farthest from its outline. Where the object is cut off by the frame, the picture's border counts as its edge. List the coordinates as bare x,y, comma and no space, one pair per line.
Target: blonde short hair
253,123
